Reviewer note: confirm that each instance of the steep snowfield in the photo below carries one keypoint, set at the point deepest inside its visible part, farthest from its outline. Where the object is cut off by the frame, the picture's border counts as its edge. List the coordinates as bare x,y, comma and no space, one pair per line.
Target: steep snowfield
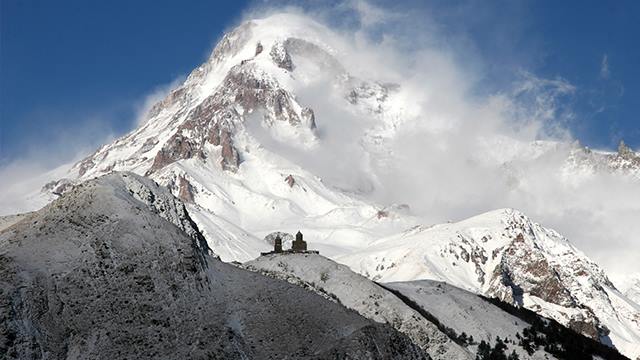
117,269
238,140
631,288
505,255
362,295
466,312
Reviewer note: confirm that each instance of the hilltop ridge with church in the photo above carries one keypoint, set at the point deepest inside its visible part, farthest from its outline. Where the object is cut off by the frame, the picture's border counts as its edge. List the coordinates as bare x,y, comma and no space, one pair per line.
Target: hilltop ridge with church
297,246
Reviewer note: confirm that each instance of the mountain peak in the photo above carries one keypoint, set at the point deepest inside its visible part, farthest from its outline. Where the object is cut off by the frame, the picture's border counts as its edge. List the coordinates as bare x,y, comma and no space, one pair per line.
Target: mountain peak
250,145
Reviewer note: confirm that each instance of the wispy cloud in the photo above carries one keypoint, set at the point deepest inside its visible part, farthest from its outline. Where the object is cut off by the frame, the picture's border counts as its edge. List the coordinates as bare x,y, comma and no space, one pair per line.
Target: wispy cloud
604,67
157,94
43,154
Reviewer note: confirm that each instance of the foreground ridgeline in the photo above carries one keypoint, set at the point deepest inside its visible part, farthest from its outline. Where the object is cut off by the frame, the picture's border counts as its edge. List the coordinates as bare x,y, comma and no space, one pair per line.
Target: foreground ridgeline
117,269
445,321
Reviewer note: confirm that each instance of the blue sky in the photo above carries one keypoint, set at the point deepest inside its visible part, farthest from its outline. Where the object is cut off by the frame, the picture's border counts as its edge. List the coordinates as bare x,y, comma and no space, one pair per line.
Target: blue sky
73,71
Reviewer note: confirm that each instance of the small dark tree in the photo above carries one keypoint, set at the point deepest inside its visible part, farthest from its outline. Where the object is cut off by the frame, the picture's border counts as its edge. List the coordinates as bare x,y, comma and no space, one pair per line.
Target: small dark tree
513,356
463,339
497,353
484,350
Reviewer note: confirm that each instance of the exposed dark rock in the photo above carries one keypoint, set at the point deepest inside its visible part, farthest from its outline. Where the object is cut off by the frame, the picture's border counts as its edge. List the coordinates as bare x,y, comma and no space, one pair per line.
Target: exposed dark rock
290,180
624,150
176,96
309,117
86,164
185,190
533,274
58,187
149,144
281,57
178,147
230,158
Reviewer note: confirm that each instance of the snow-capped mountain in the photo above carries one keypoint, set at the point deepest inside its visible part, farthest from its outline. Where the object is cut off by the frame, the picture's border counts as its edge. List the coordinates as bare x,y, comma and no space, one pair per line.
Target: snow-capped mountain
237,142
504,254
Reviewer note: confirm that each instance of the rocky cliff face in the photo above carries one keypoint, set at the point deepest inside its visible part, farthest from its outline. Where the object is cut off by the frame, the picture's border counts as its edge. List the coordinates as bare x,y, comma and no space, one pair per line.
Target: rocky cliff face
117,269
624,161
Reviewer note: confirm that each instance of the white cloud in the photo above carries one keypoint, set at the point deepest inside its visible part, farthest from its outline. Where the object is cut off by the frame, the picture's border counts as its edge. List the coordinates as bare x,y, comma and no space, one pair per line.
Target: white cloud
604,67
59,145
368,14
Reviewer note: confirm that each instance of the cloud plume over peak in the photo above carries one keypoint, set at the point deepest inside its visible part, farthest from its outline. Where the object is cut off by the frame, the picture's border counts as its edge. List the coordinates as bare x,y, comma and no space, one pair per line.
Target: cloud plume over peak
447,146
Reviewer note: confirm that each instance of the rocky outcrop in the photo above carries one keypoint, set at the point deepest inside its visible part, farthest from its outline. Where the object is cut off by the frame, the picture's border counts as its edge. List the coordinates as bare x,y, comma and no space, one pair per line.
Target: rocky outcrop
185,190
230,158
177,148
213,121
625,151
176,96
280,56
525,270
504,254
290,180
308,117
625,161
58,187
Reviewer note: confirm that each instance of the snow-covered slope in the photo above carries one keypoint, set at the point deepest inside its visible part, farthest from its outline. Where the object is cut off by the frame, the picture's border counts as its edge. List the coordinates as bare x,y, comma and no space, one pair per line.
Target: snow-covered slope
431,313
362,295
470,314
238,140
466,313
631,287
504,254
116,269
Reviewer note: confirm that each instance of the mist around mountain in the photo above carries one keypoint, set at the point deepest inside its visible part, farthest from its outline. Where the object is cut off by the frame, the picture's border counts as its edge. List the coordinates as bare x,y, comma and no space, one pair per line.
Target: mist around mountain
284,128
